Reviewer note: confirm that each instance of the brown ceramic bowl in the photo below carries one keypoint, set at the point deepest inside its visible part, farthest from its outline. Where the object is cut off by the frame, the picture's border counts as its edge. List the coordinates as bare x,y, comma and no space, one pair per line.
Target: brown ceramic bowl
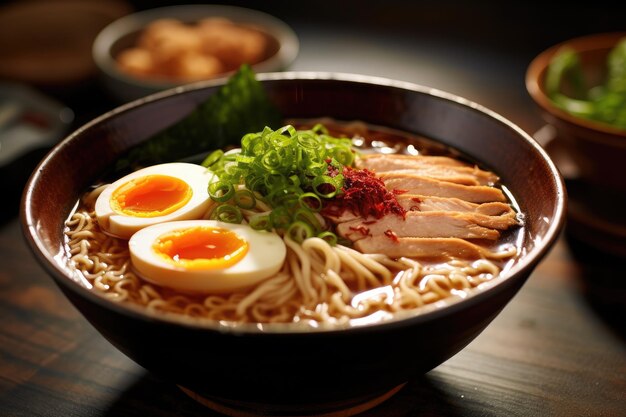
282,45
597,149
278,370
591,155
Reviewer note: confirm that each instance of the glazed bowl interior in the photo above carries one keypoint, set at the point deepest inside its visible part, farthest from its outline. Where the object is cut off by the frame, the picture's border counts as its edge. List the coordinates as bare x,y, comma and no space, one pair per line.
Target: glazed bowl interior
426,339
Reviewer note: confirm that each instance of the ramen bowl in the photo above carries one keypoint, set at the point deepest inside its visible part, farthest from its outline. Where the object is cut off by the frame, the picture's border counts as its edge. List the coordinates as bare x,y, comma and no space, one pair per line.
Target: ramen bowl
590,154
279,50
280,369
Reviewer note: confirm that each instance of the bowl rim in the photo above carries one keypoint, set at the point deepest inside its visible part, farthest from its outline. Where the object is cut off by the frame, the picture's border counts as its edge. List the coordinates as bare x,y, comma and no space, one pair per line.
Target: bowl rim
286,37
538,66
445,307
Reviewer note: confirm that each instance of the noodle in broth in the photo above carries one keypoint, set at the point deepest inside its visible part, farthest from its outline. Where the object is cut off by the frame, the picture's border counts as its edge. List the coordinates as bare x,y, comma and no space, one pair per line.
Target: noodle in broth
318,285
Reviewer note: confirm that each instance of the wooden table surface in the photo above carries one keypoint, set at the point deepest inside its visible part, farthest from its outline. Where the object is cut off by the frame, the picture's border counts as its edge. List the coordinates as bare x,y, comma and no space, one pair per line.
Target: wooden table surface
558,348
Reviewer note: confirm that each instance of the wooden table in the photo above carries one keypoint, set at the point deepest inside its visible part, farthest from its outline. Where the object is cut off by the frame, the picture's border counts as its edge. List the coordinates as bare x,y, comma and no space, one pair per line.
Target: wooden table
558,349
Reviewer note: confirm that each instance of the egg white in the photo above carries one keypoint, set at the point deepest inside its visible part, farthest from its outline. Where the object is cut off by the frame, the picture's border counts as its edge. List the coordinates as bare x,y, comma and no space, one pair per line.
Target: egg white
123,225
265,257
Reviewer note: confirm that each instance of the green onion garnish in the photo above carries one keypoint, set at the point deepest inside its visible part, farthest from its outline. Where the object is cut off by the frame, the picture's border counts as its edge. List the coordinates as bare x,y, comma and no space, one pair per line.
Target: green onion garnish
245,199
299,231
329,237
227,213
293,171
221,191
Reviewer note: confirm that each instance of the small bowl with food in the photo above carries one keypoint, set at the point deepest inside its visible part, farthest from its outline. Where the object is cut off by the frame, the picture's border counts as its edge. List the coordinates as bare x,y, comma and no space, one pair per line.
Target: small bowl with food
160,48
579,86
293,243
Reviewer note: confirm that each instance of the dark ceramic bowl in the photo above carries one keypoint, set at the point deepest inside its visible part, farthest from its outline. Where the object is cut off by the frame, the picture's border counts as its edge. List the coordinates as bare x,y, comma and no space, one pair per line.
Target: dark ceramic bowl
281,371
591,155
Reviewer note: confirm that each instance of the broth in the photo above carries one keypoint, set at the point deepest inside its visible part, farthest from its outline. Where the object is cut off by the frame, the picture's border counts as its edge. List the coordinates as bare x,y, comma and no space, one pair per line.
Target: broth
319,285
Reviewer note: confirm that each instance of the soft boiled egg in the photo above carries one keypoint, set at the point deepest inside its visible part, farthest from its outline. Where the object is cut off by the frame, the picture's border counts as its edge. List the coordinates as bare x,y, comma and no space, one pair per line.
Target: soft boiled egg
205,255
155,194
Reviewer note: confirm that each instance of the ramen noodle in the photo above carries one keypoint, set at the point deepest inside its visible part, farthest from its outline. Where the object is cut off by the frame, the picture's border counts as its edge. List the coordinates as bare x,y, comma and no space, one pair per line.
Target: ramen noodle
415,223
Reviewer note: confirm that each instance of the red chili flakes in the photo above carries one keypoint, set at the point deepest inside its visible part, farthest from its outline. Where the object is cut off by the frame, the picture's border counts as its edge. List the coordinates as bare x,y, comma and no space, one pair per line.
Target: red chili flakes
415,207
360,229
332,171
391,235
365,195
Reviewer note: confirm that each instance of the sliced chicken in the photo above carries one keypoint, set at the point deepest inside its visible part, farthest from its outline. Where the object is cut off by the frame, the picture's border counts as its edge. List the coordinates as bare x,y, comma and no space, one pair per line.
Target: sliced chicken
497,215
416,184
460,174
423,224
386,162
433,203
457,175
448,204
416,247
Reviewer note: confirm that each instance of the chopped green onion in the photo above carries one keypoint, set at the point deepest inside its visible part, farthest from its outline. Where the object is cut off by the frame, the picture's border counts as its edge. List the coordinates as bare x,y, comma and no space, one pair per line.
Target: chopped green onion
311,201
295,181
309,141
212,158
227,213
344,156
329,237
271,162
260,222
299,231
325,186
221,191
320,129
245,199
307,216
280,218
287,129
292,171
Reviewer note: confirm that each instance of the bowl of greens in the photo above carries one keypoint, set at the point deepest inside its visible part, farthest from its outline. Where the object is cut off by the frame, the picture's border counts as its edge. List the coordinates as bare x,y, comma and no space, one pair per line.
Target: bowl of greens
580,87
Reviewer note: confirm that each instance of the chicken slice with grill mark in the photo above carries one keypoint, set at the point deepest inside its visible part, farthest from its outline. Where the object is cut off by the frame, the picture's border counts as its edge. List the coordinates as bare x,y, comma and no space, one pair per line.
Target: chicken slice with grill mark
421,160
433,203
420,224
496,214
415,247
416,184
464,174
413,202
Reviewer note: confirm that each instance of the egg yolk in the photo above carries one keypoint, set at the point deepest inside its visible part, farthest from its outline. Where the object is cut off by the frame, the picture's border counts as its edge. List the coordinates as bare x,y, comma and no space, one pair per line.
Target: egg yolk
151,196
201,247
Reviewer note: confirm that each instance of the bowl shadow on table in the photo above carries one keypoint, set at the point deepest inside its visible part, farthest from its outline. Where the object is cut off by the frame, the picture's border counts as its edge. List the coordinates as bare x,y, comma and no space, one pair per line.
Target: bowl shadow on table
603,281
156,397
595,234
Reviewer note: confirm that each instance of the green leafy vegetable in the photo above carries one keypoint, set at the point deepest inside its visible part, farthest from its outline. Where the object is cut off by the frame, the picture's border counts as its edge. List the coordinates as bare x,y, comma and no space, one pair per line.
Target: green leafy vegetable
604,103
240,106
291,170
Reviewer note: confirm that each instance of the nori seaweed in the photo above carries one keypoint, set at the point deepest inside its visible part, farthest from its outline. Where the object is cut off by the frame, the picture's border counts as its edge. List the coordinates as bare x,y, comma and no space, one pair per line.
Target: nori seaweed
240,106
